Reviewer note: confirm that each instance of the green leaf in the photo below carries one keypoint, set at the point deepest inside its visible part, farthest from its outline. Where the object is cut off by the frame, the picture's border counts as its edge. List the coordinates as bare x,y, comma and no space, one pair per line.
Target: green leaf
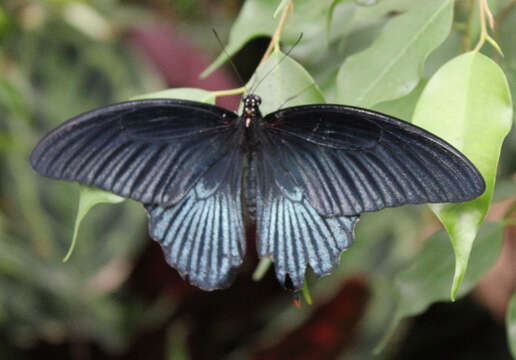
427,279
88,198
402,108
192,94
359,17
255,20
467,103
342,28
281,82
392,66
367,15
510,322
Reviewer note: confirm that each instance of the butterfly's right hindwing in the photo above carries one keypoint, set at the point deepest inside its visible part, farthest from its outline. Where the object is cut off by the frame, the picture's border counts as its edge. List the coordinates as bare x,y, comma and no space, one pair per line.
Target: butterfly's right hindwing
152,151
290,231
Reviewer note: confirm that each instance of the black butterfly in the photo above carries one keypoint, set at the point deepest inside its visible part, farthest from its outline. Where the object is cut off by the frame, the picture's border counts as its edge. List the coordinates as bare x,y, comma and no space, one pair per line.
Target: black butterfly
304,174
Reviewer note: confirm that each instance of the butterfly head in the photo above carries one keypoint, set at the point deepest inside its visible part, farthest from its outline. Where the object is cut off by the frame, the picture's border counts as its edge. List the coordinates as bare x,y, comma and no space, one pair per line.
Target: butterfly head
251,108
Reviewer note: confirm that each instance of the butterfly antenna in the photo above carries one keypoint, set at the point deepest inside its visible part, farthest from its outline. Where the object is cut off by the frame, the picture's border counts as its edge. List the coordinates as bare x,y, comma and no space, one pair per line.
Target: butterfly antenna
254,88
229,57
296,95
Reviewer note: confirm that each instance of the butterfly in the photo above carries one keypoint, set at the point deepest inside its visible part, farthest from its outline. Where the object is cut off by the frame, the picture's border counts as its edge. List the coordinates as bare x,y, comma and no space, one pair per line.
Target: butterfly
303,174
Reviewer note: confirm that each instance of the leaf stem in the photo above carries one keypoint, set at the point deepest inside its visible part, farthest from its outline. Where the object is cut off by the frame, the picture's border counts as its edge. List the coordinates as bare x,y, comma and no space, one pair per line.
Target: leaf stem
274,44
484,34
236,91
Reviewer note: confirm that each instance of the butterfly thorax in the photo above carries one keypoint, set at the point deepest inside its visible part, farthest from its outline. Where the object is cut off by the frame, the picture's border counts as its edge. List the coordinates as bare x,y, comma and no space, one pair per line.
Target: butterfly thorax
251,119
251,112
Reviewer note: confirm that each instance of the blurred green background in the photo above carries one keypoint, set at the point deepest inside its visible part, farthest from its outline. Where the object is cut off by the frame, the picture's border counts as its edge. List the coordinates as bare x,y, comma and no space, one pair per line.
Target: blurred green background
116,298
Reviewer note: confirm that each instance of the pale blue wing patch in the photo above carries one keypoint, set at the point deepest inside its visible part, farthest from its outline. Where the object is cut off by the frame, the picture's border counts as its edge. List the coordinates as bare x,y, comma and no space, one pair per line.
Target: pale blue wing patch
203,236
292,233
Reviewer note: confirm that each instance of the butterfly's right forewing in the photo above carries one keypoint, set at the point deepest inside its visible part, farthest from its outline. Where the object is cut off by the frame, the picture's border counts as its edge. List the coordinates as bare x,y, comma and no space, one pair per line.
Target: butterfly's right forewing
152,151
347,161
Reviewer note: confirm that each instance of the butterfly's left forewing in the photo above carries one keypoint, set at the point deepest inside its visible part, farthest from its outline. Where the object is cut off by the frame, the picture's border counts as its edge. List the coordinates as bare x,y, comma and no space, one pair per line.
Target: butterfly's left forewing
203,235
152,151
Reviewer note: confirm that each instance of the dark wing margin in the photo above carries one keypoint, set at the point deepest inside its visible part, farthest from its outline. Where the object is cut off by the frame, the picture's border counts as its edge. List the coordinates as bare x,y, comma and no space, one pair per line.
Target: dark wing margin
152,151
203,235
289,229
347,160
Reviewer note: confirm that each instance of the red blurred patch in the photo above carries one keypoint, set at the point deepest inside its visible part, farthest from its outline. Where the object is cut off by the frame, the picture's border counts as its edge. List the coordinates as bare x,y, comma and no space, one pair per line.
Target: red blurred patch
180,62
328,332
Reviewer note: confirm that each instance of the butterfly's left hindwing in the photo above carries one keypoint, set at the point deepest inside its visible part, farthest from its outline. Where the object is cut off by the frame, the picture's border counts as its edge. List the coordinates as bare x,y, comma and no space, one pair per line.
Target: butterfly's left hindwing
203,235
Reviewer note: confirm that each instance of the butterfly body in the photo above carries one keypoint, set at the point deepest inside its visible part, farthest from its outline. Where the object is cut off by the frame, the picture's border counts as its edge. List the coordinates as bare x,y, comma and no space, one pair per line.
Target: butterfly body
304,174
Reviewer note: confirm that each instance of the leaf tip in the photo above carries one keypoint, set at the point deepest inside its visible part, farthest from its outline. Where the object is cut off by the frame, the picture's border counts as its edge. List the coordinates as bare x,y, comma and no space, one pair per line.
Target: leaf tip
306,293
207,72
72,245
494,44
460,270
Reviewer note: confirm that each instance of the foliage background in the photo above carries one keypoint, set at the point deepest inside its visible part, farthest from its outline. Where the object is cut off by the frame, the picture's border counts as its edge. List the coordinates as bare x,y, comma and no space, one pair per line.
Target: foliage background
116,298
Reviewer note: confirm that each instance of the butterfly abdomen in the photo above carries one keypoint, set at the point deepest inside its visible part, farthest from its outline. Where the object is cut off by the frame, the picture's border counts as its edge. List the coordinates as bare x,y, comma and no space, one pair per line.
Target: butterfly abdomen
249,186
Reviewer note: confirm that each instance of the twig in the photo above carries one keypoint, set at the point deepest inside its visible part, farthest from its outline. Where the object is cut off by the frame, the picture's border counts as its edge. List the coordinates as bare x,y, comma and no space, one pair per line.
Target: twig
484,35
274,44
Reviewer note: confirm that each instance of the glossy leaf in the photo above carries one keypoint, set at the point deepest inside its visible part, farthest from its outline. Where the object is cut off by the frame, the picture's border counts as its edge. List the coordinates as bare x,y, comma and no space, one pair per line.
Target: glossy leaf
467,103
402,108
360,16
427,279
510,322
393,65
282,82
256,20
381,10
